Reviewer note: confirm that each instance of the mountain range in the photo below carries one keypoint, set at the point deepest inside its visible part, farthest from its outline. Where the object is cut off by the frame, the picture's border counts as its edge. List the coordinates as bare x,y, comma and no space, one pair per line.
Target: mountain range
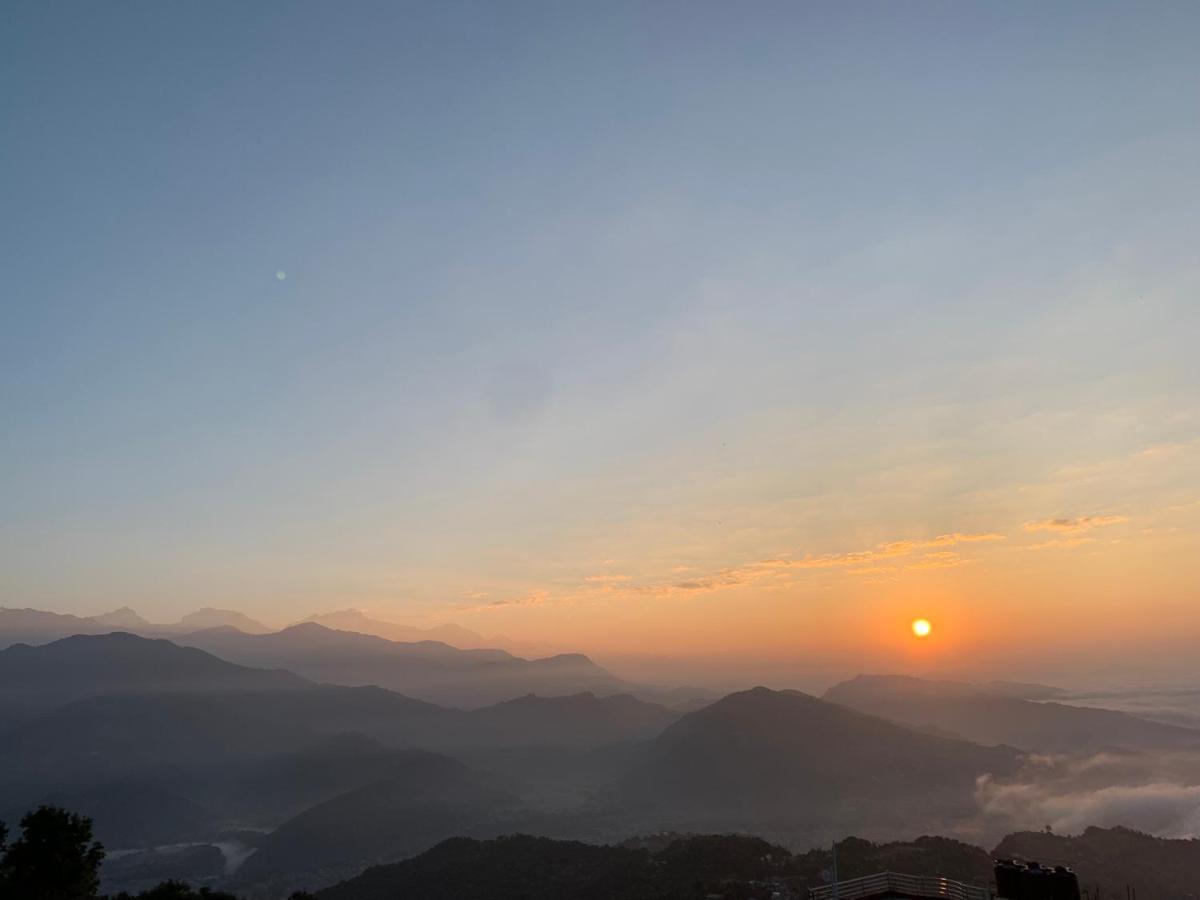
35,626
38,678
306,752
430,670
358,621
347,649
131,702
975,713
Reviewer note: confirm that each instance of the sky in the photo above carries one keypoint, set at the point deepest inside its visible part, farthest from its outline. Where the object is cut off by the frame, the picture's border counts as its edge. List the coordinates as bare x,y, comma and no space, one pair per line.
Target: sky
703,330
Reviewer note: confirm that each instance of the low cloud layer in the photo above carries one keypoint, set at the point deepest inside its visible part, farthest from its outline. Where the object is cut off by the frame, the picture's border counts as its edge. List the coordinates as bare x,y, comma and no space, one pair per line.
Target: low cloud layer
1156,793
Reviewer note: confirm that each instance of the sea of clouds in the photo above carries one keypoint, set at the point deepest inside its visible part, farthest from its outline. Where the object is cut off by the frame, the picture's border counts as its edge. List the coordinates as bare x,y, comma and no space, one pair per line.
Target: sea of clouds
1158,793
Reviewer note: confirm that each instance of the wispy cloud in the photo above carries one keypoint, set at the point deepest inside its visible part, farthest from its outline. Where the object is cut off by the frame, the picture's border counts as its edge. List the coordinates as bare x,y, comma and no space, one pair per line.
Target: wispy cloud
944,559
1060,544
1074,526
534,598
888,557
882,552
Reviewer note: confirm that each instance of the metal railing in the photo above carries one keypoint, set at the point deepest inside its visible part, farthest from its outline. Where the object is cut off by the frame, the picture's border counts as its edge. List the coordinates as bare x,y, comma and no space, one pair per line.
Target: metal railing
899,885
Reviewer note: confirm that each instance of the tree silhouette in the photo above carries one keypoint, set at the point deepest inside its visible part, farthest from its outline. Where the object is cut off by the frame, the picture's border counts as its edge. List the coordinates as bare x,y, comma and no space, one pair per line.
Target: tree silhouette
55,858
176,890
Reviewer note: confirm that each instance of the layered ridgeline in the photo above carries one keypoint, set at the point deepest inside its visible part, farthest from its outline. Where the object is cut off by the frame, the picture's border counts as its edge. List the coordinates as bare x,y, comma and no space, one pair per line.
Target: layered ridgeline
430,670
162,743
433,670
339,776
294,783
360,622
135,697
989,716
34,626
34,679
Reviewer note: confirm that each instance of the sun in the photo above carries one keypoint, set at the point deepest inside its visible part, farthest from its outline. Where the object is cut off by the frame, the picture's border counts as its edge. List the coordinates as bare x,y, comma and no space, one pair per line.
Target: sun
921,628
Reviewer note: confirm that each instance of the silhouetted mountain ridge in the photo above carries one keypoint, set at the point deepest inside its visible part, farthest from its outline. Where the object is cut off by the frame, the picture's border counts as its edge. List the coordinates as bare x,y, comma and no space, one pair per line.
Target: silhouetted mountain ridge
34,626
38,677
430,670
763,756
424,799
975,714
356,620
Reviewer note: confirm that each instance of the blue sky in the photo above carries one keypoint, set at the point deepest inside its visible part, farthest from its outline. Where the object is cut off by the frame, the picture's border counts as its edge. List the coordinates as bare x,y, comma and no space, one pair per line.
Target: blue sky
572,288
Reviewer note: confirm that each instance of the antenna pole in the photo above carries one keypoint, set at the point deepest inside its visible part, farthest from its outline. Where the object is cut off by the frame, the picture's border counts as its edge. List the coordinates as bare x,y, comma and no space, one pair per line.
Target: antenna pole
835,872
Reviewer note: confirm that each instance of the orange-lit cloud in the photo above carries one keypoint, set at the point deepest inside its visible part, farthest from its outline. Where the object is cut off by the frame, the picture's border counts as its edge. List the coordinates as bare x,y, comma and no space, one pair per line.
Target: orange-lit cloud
1061,544
1075,525
885,558
886,551
946,559
534,598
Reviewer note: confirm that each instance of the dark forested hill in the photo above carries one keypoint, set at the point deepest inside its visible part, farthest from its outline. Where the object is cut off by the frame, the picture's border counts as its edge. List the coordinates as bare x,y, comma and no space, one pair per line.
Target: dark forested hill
683,867
528,868
1112,858
424,798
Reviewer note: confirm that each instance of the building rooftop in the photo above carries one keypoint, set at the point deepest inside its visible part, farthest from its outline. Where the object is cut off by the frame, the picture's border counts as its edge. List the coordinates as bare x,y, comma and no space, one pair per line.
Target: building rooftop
903,887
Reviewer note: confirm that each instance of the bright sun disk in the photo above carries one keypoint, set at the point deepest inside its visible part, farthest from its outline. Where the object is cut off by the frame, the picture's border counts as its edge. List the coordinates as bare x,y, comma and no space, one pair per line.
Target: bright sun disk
921,627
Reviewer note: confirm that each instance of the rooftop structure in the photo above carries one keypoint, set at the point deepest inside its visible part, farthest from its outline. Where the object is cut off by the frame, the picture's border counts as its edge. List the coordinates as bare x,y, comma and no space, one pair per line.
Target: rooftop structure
886,885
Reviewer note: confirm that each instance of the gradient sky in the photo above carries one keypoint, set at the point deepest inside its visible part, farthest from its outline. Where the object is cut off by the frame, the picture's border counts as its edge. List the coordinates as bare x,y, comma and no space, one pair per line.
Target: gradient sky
647,328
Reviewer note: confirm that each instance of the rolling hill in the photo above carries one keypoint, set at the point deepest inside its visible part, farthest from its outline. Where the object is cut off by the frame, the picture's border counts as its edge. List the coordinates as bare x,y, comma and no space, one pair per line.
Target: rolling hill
37,678
765,758
654,867
424,799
